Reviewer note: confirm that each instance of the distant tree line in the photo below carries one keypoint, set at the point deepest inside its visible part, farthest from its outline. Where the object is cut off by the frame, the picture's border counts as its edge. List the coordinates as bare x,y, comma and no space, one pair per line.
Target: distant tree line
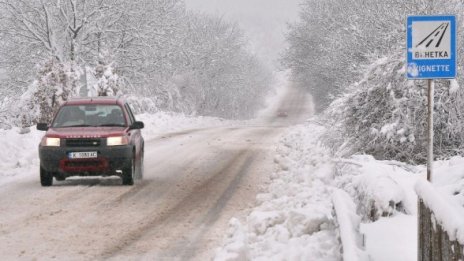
351,55
182,61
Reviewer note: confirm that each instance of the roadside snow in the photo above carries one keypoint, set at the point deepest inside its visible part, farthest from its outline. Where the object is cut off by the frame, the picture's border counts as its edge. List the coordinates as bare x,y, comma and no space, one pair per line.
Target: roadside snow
19,153
385,197
381,188
385,191
392,238
294,219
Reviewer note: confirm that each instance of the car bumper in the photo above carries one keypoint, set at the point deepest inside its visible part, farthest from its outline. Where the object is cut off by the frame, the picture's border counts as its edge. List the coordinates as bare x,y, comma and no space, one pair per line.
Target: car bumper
108,161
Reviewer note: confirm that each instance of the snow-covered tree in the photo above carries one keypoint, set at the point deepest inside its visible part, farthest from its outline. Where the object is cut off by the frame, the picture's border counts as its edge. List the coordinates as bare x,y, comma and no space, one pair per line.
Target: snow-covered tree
55,83
108,81
183,61
34,31
223,78
334,41
381,112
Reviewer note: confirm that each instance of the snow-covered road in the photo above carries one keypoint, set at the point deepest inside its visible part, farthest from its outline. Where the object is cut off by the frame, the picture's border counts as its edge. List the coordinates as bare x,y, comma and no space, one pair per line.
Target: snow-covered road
194,182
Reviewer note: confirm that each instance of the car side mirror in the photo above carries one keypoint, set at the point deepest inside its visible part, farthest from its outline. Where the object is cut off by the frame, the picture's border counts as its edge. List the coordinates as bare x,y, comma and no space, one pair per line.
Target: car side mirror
137,125
42,126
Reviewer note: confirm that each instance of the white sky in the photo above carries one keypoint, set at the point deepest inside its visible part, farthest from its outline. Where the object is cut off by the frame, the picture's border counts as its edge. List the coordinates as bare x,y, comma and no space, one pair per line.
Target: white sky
264,21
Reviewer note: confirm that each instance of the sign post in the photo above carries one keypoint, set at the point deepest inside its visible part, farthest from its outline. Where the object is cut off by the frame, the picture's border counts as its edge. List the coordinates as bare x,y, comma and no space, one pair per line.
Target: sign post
430,92
431,54
431,43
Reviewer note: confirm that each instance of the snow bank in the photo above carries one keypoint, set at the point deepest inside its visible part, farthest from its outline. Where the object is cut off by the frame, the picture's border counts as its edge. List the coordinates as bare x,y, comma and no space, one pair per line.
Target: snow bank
387,191
349,222
392,238
380,188
384,194
383,188
19,153
236,247
448,178
294,219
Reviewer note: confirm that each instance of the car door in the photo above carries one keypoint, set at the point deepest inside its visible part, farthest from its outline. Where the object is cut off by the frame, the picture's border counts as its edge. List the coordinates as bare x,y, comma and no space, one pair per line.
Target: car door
135,136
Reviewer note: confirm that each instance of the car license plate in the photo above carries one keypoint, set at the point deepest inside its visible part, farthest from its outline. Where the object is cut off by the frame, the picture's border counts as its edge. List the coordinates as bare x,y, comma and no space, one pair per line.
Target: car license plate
83,155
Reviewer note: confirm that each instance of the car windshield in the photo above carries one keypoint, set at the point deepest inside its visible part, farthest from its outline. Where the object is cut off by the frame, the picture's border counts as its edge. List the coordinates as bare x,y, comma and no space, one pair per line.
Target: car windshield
89,116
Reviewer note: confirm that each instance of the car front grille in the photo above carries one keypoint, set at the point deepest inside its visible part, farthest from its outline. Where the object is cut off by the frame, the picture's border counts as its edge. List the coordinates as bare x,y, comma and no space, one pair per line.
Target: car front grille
83,142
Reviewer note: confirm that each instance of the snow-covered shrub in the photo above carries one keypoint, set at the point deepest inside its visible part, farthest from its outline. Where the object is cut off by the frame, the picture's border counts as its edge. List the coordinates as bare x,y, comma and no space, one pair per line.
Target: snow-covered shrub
55,83
142,104
6,119
108,81
385,115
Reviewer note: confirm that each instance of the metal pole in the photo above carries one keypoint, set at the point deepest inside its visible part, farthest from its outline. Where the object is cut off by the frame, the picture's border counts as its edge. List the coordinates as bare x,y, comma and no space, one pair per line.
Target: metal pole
431,86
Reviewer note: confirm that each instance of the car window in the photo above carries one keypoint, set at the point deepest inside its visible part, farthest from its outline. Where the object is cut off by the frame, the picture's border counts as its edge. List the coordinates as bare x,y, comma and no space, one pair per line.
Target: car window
131,115
90,115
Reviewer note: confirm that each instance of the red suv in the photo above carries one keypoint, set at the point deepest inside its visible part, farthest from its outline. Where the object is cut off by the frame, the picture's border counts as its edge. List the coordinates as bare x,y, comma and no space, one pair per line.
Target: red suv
92,137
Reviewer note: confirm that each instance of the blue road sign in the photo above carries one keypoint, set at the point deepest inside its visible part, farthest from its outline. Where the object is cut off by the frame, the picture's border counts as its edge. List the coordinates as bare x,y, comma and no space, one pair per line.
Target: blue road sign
431,47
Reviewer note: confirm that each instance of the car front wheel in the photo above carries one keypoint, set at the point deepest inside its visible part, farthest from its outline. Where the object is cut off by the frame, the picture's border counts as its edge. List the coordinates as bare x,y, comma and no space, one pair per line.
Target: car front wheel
46,178
128,174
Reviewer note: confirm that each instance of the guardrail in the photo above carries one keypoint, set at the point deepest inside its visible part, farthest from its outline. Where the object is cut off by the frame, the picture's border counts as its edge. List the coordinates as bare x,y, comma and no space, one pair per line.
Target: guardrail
441,226
348,222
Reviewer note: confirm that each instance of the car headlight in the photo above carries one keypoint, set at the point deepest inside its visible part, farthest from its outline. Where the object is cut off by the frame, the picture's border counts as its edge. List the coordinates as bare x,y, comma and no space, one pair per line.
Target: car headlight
51,142
117,141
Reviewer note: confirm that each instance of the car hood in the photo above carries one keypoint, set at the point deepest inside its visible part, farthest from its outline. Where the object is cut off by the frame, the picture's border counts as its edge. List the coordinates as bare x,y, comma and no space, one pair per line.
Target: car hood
85,132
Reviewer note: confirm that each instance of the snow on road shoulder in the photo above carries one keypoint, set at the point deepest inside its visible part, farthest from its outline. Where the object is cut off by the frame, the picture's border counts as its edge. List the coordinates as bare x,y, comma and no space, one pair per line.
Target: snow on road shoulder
385,192
19,153
392,238
380,188
294,219
385,198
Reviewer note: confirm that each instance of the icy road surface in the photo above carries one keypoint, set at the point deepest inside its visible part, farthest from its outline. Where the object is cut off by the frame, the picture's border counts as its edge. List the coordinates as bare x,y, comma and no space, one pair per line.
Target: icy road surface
194,182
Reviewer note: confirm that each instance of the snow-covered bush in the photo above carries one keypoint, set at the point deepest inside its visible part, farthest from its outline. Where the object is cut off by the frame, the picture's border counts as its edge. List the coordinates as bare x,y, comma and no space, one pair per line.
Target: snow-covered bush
55,83
385,115
108,81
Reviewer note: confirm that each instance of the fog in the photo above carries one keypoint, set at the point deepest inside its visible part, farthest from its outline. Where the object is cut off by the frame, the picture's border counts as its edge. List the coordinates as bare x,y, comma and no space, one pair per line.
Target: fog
264,21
